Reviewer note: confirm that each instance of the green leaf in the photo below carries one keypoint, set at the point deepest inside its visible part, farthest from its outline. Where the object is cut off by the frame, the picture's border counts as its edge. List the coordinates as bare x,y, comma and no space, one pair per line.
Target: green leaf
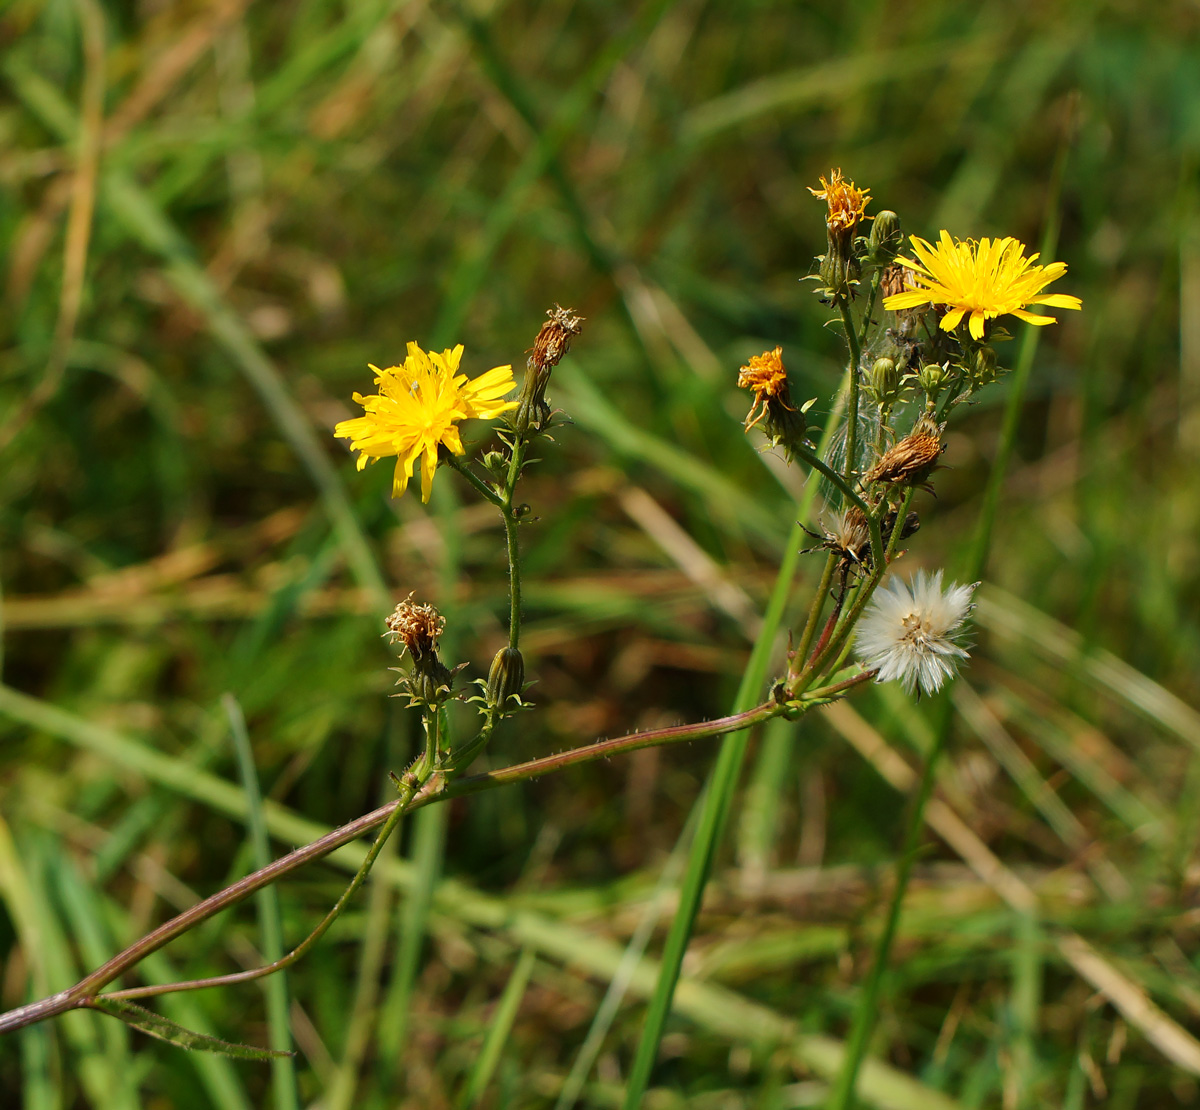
155,1025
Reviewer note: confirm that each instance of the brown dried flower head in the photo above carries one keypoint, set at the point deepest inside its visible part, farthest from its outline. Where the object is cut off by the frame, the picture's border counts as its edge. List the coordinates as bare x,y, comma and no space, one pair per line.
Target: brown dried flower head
554,339
912,460
766,376
417,627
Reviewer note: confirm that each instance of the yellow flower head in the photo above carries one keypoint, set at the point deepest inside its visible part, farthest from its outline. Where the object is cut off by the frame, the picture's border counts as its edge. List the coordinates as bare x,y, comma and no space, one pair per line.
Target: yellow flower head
766,376
418,407
985,279
847,204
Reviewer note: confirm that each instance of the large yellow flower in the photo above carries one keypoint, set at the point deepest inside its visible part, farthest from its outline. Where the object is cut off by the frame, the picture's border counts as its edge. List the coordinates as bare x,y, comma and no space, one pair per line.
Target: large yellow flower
985,279
418,407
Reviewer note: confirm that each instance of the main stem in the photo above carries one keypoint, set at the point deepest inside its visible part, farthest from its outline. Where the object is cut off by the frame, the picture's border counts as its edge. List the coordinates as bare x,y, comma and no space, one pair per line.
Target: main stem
434,789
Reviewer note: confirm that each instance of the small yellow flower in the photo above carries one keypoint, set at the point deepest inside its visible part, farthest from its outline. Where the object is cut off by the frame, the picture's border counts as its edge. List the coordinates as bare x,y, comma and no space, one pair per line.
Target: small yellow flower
847,203
418,407
985,279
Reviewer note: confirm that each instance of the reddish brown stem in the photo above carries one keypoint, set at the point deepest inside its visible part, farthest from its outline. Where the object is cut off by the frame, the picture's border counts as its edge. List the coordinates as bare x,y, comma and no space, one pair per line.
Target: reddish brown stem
435,790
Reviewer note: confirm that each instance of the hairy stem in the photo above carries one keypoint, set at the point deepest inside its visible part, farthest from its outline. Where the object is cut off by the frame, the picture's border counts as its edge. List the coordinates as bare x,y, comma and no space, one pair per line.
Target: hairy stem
852,413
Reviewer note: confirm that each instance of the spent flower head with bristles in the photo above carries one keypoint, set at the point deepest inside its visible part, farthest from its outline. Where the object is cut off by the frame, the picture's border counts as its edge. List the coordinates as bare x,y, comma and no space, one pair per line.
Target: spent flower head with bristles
981,280
417,411
417,627
848,536
913,632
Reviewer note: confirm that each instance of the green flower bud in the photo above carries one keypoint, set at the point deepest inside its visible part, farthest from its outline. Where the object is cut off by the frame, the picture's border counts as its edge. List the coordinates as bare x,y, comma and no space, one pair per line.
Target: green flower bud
933,378
885,238
984,370
883,382
506,677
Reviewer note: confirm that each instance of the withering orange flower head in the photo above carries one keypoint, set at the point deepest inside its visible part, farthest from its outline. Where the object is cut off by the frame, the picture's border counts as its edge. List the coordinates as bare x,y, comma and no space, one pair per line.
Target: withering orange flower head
847,203
766,376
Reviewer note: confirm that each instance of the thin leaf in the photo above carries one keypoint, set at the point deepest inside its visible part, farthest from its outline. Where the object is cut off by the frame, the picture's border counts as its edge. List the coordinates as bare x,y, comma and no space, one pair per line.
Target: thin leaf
155,1025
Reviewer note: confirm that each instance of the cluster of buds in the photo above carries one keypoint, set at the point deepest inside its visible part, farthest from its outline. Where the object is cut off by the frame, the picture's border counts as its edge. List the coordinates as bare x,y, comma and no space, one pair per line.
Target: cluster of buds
552,342
418,629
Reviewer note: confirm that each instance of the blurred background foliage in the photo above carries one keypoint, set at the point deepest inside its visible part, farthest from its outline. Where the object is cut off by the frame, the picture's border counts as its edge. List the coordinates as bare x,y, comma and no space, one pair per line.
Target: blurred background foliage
216,214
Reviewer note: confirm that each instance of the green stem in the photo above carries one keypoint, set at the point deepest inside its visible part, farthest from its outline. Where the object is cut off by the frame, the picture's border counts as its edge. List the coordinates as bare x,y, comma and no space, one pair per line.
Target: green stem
841,634
817,463
852,414
514,579
818,605
503,501
876,278
480,485
515,464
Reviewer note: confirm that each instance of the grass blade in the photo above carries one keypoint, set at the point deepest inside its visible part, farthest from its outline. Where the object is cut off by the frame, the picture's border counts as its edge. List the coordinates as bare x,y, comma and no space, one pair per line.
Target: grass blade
283,1068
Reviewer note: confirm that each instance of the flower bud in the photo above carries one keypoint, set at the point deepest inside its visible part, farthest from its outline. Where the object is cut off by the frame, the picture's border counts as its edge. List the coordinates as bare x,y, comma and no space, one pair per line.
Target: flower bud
883,382
506,677
933,378
885,238
984,370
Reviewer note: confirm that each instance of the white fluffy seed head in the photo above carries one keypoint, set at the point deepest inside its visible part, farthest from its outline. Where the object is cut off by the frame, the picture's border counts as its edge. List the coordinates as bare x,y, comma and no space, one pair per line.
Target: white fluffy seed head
913,633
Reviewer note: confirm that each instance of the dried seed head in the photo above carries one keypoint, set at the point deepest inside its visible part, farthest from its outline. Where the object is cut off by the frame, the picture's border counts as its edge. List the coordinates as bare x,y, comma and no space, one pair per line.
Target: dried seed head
554,339
851,535
912,460
417,627
552,342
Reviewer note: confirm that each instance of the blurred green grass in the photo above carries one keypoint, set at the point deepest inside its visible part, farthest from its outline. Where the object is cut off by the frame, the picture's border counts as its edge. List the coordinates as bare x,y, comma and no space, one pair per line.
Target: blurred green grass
284,193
